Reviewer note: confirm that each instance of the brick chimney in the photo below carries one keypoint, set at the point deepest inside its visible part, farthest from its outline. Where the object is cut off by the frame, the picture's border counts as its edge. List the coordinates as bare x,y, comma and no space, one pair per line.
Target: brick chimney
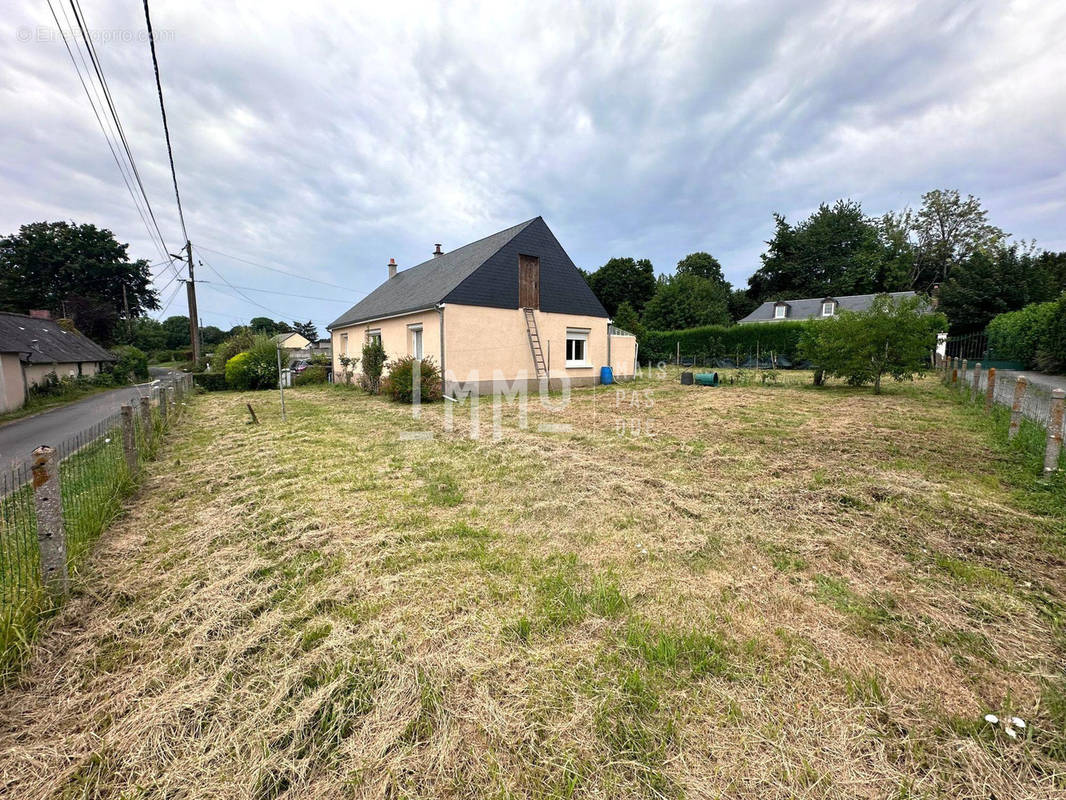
438,252
40,314
392,267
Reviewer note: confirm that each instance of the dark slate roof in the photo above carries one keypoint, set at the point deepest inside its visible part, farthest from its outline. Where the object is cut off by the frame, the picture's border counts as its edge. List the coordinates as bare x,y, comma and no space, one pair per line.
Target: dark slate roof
428,283
42,341
811,307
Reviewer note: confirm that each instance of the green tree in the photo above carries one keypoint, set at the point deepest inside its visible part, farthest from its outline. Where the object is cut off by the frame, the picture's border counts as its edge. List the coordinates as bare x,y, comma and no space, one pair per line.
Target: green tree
306,330
741,304
947,231
894,337
373,364
623,279
74,271
835,251
701,264
628,319
268,327
177,332
687,301
212,336
987,283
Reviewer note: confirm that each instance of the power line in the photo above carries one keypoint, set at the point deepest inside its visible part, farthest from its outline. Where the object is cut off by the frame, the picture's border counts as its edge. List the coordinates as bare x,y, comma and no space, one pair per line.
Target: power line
171,299
163,112
276,269
238,291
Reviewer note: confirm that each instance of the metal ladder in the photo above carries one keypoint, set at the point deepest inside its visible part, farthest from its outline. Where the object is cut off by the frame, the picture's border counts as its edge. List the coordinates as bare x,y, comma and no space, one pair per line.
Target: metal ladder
534,344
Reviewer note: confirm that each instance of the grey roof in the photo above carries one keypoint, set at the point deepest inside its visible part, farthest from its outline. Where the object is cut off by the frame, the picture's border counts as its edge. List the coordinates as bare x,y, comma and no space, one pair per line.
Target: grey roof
811,307
428,283
42,341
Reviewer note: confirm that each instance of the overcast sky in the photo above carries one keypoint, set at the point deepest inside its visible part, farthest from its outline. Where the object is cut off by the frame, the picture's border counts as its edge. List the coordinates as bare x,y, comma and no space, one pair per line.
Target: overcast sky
327,140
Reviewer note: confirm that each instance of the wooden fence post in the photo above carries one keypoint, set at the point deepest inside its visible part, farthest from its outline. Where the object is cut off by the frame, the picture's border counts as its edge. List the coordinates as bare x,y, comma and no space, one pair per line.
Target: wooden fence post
976,382
1016,407
51,537
129,443
1054,434
990,394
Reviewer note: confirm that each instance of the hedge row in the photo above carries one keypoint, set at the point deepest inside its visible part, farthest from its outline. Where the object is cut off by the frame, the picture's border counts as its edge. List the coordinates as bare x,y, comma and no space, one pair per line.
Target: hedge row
1034,335
718,341
210,381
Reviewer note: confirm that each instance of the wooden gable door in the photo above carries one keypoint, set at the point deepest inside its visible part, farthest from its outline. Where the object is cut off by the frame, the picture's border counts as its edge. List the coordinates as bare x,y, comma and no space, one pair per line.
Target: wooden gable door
528,282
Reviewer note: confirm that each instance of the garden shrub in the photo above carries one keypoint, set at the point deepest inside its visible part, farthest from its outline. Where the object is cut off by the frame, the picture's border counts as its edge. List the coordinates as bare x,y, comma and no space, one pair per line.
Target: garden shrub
132,364
718,341
316,373
1017,335
399,385
238,343
373,365
210,381
257,367
237,373
1051,347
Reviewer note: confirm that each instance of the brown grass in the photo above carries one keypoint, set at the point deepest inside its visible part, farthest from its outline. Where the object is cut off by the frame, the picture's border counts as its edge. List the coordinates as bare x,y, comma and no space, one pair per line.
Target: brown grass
779,592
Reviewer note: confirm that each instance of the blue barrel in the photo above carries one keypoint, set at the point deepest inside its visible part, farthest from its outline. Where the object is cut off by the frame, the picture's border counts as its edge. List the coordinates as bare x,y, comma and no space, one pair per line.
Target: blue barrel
606,375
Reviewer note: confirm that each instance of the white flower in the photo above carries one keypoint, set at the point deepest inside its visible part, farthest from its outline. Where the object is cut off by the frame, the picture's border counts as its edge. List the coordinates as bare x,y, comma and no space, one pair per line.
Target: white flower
107,440
991,719
1011,732
1018,722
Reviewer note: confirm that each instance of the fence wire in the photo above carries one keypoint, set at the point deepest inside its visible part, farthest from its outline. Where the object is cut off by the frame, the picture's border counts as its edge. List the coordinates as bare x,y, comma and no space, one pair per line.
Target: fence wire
94,477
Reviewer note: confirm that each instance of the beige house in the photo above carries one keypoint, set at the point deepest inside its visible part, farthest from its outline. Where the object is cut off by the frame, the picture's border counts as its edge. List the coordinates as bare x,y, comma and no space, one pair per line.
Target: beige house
34,346
296,345
511,306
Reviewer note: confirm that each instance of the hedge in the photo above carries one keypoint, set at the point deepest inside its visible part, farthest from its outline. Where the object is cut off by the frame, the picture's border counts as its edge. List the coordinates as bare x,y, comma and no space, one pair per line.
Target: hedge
1024,335
719,341
210,381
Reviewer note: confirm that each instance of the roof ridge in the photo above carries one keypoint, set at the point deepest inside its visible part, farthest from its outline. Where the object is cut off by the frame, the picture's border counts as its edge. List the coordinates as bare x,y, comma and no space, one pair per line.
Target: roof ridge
516,228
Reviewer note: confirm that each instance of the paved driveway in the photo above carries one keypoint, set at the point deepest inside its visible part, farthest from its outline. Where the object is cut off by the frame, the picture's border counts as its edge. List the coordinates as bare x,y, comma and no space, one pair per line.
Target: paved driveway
20,437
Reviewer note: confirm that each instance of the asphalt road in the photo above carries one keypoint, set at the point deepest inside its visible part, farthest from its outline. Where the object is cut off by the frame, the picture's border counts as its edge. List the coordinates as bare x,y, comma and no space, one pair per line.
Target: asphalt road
20,437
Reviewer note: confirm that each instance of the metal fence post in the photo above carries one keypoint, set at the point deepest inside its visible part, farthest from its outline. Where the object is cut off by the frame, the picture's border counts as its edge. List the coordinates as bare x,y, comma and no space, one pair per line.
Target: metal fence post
1016,407
51,538
1054,434
129,442
990,394
976,382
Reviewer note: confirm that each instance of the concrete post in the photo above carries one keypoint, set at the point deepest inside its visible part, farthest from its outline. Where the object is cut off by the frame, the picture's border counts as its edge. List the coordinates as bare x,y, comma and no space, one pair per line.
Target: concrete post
976,382
964,386
1016,407
129,442
146,415
1054,436
990,393
51,538
163,392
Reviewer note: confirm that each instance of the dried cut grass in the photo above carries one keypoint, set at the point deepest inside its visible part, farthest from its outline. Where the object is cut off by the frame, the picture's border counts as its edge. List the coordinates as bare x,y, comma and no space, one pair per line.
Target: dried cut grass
755,591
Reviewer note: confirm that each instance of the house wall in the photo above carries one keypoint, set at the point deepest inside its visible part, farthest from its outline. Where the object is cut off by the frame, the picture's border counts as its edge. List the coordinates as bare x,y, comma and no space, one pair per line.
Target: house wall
12,386
479,340
35,373
395,338
624,356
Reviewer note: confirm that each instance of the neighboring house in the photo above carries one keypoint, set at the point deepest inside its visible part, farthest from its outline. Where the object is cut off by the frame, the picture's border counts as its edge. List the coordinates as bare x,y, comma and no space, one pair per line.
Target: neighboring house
33,346
813,307
294,344
322,347
510,306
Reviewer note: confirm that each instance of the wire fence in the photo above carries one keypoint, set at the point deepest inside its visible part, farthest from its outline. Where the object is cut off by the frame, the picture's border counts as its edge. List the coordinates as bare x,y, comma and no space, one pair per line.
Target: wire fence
96,470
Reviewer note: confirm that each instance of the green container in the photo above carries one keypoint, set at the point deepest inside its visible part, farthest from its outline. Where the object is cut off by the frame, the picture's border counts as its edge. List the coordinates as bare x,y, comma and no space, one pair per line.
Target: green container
706,378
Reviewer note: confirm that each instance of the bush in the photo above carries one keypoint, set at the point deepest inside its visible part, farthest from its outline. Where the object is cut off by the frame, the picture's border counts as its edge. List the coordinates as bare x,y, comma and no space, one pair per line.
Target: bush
257,367
894,337
373,365
132,364
399,385
1032,335
1051,348
316,373
210,381
238,343
718,341
321,360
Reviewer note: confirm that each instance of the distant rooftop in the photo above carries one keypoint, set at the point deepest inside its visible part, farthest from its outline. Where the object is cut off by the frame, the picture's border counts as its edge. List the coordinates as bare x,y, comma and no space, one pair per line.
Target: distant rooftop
811,307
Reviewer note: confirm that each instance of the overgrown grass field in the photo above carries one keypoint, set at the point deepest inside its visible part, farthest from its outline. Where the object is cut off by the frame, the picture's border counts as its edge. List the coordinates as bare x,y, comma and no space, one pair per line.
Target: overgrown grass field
657,591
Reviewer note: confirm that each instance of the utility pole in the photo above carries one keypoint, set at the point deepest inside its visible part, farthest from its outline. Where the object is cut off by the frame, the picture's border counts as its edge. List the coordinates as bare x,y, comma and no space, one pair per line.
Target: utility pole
190,288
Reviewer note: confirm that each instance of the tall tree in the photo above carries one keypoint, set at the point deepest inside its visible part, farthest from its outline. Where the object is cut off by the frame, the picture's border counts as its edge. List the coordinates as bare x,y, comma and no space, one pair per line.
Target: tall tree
306,330
177,332
702,264
623,279
948,230
835,251
77,271
990,282
687,301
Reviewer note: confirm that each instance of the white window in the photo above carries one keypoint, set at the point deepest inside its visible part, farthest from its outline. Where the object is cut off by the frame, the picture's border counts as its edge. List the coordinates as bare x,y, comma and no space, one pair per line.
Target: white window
779,312
827,308
344,344
374,334
416,340
577,347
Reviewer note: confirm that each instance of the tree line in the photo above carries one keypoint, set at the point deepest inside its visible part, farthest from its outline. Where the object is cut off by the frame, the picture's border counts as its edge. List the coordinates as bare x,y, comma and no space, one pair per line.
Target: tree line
946,246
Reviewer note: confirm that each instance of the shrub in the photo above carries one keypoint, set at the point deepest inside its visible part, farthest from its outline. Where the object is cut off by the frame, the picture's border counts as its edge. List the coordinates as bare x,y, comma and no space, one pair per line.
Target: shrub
257,367
1017,335
316,373
373,365
718,341
237,374
1051,347
894,337
399,385
321,360
132,364
238,343
210,381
